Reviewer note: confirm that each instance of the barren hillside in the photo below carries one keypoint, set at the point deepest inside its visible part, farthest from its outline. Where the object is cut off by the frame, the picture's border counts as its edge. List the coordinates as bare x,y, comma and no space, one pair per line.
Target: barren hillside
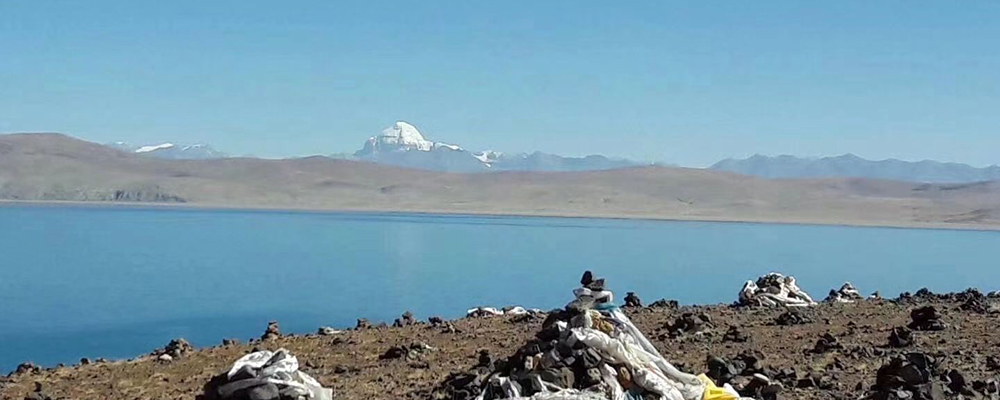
55,167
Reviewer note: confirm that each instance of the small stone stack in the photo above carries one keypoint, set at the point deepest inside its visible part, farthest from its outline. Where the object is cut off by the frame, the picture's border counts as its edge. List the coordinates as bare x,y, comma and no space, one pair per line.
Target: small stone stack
632,301
908,377
926,319
272,332
404,320
173,350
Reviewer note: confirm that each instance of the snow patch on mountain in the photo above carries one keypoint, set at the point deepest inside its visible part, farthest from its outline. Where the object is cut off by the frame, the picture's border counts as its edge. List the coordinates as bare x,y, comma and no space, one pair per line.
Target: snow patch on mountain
170,150
147,149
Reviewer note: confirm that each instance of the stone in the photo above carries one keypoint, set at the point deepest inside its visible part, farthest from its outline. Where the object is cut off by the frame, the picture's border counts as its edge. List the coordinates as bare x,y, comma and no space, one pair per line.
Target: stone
826,343
792,317
85,361
27,368
733,334
230,342
272,332
993,363
405,320
900,337
688,323
165,358
664,303
631,300
926,319
957,383
908,376
435,321
562,377
175,349
326,331
721,370
264,392
363,324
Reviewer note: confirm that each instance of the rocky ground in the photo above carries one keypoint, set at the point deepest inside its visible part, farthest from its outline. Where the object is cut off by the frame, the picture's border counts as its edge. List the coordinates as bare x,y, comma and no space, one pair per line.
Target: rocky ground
831,351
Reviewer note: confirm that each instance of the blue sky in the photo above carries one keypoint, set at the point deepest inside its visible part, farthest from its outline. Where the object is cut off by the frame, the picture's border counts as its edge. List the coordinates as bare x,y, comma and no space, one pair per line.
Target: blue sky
681,82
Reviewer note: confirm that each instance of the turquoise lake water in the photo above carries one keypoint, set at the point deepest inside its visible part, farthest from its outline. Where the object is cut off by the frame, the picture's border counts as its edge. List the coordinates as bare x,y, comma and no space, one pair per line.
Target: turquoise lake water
119,282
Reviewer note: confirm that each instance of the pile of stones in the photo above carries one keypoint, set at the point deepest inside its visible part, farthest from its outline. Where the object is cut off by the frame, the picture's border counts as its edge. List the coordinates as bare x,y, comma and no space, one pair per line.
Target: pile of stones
554,360
173,350
926,319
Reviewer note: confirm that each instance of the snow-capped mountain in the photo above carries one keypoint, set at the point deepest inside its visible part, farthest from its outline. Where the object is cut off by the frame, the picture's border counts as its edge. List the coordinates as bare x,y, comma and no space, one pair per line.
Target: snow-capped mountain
403,145
171,151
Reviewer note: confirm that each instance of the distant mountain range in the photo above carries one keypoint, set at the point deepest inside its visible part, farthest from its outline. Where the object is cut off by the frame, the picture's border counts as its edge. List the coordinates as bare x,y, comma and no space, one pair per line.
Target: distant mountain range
403,145
54,167
171,151
850,165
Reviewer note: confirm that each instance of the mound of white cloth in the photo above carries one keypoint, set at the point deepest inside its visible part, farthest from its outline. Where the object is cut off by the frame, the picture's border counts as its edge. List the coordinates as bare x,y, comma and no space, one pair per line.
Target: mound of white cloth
774,290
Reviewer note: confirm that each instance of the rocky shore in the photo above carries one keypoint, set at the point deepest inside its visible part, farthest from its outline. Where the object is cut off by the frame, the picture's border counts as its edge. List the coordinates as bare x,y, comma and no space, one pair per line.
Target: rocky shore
919,346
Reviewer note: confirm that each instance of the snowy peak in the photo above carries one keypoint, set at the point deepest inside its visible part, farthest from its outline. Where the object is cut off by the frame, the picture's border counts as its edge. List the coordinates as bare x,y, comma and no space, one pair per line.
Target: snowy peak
406,135
401,136
171,150
403,145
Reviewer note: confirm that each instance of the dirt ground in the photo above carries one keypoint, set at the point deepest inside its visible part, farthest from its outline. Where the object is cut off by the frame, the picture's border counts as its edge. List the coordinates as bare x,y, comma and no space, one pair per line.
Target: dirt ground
349,361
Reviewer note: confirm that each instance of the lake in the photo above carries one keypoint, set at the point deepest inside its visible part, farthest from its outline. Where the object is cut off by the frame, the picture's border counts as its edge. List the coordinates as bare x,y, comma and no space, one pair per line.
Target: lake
118,282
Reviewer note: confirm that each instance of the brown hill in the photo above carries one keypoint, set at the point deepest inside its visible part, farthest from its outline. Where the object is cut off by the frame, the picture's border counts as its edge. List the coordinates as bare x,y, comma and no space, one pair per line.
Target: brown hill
55,167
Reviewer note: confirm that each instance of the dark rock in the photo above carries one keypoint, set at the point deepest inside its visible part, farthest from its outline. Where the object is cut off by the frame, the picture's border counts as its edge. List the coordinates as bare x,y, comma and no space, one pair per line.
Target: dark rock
631,300
957,383
664,303
27,368
264,392
721,370
485,360
993,363
752,363
591,377
394,353
405,320
900,337
230,342
792,317
926,319
689,323
272,332
412,352
908,377
435,321
976,305
924,293
85,361
760,387
363,324
562,377
175,349
826,343
733,334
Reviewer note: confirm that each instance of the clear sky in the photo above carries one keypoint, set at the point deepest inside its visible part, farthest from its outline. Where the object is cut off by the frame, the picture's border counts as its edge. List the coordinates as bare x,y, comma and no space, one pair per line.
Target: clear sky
686,82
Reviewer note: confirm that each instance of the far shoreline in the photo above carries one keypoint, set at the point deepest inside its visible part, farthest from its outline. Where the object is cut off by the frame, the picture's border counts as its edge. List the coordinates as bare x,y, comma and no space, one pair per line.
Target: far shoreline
183,207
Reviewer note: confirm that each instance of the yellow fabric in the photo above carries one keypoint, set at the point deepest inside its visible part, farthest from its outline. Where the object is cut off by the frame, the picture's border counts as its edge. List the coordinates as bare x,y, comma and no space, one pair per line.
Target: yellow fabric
713,392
